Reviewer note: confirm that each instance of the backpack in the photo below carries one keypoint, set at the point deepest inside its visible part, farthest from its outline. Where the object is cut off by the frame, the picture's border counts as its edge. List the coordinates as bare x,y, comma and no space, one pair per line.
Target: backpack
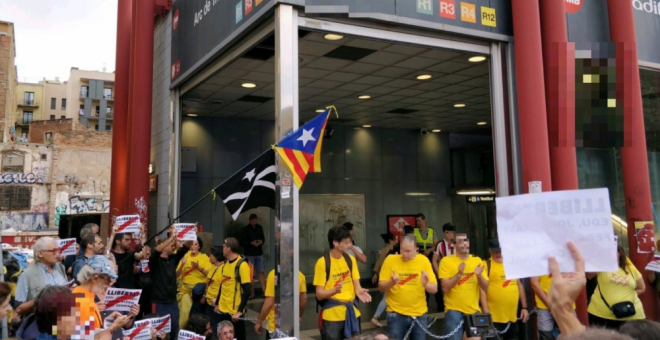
326,257
237,279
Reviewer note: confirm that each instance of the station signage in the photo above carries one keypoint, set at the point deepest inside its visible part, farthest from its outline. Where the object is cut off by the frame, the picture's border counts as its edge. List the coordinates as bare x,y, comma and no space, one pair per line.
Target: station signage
480,199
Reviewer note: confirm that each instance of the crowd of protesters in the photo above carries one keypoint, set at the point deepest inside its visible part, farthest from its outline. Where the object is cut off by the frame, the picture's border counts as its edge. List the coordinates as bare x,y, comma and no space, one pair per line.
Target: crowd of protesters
207,295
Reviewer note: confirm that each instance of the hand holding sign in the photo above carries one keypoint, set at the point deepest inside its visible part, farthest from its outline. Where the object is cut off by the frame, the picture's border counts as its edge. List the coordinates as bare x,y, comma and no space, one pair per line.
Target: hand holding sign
67,246
186,231
186,335
122,300
654,265
128,224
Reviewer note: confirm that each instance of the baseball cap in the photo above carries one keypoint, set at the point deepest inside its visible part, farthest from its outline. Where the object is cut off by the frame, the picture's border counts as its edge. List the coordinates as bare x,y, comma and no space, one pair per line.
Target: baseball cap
494,245
102,265
448,227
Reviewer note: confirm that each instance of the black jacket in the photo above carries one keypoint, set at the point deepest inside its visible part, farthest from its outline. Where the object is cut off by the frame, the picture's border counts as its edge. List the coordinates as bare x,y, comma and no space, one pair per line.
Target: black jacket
249,234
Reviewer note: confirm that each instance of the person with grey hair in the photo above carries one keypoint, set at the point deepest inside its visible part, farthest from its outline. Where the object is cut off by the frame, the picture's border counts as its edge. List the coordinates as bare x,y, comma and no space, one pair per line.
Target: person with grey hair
226,330
45,271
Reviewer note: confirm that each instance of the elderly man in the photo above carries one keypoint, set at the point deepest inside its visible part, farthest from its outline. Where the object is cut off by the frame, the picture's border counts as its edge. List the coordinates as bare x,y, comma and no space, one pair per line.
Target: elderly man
226,331
45,271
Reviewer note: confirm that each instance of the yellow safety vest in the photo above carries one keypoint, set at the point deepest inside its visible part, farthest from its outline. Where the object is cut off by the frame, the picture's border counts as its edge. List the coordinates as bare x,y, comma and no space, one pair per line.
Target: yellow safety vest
426,243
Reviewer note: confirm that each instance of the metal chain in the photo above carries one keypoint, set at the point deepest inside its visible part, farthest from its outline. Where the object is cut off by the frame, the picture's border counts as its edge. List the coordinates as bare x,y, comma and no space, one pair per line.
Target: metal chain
425,329
506,329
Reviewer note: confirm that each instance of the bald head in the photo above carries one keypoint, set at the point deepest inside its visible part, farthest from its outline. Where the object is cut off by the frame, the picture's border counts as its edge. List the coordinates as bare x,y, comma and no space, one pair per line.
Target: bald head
408,248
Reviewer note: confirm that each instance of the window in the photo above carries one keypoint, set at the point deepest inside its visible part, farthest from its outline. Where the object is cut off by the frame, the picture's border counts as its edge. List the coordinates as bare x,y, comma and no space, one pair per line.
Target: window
27,117
52,117
63,104
107,93
96,127
108,128
28,98
84,91
53,103
98,110
12,161
82,109
49,136
44,157
15,198
62,117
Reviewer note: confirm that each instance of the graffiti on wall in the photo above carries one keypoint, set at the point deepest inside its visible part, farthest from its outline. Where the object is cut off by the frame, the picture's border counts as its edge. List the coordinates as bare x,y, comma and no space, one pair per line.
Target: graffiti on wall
22,178
59,211
27,221
81,205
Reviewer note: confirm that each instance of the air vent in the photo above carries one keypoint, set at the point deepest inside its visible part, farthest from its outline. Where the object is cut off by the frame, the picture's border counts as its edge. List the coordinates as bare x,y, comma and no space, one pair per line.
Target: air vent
402,111
254,99
349,53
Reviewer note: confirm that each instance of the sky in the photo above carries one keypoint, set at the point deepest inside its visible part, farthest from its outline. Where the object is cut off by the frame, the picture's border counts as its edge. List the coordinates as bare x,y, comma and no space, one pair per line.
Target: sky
54,35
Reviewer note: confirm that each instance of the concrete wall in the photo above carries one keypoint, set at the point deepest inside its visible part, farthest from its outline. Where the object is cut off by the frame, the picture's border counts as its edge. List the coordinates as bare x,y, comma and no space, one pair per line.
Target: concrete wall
7,79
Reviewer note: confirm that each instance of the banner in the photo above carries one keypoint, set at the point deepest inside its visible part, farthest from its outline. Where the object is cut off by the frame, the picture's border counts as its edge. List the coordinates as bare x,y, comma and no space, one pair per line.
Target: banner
185,335
121,300
654,265
67,246
128,224
163,324
141,330
185,231
144,266
534,227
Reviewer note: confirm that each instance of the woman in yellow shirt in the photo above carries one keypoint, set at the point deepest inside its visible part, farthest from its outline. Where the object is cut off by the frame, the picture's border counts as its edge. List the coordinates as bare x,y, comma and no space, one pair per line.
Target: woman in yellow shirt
193,270
623,285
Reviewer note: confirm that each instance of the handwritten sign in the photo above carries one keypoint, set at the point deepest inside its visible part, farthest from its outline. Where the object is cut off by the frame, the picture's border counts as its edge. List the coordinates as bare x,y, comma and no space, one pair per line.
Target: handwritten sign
534,227
185,335
121,300
67,246
144,266
128,224
163,324
654,265
185,231
141,330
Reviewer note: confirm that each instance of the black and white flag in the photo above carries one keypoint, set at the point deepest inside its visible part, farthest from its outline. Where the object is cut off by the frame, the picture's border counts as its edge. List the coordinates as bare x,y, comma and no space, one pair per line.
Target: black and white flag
251,187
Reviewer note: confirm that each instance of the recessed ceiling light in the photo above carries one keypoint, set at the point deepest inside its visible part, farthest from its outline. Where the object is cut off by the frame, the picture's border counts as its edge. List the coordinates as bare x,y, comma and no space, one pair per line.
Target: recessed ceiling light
366,126
192,115
435,130
459,105
482,123
477,59
320,110
424,77
364,96
249,85
333,37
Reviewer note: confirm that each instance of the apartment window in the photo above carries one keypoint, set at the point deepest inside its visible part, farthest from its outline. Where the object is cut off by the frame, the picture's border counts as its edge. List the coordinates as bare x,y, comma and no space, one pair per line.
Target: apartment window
53,103
98,109
28,98
52,117
108,128
82,109
44,157
107,93
49,136
63,104
13,161
96,127
15,198
27,117
108,112
24,136
84,91
62,117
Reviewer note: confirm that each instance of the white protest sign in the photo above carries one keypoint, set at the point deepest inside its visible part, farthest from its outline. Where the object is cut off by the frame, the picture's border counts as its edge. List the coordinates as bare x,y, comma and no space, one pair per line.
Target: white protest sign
141,330
185,231
185,335
163,324
67,246
128,224
654,265
121,300
71,284
531,228
144,266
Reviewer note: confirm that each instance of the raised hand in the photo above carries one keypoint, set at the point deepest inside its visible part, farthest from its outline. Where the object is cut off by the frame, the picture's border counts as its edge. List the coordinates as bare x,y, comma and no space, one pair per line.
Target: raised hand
566,286
479,270
461,268
395,277
425,278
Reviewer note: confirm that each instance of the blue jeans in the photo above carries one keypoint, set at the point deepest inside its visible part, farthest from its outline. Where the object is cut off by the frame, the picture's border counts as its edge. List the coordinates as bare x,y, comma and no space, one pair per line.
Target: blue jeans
171,308
452,320
398,325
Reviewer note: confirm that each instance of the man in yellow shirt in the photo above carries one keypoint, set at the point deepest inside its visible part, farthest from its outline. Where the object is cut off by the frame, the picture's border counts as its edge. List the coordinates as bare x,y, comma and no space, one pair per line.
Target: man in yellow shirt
337,282
405,279
234,287
192,271
268,310
503,295
213,286
461,276
545,321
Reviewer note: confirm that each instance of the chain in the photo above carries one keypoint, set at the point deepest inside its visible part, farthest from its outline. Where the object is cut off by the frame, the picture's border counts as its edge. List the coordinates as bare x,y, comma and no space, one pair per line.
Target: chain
274,335
425,329
506,329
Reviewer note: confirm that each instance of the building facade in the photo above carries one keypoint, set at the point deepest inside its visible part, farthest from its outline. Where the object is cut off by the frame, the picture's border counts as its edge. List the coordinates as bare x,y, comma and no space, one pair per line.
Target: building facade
90,98
8,80
29,107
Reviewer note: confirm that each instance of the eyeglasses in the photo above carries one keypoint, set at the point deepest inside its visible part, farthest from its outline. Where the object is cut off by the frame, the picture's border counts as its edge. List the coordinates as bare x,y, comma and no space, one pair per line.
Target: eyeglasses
54,251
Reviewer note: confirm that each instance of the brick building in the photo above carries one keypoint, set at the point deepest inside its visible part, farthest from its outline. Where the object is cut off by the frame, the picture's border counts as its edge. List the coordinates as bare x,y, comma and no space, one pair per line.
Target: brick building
8,81
43,131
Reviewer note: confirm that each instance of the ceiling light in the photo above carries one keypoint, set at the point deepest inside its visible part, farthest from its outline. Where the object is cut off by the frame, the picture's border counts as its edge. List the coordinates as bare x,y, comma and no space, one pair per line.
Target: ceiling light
477,59
459,105
419,194
366,126
249,85
192,115
424,77
333,37
482,123
320,110
475,192
364,96
619,220
435,130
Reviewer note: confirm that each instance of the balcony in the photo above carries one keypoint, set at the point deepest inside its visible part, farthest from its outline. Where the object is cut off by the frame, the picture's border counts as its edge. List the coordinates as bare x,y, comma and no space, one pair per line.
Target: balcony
28,103
23,122
108,97
81,112
84,93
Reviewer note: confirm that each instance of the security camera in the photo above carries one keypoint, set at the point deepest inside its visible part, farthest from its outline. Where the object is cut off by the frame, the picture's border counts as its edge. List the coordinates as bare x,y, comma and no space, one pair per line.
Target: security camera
423,131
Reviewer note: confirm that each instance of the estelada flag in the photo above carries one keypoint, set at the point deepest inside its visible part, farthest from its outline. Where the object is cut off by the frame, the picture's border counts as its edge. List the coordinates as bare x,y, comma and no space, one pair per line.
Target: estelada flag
301,151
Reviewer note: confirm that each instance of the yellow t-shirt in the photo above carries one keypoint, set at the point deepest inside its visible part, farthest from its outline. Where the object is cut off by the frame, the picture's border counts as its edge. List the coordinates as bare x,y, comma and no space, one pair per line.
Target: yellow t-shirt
545,282
213,284
230,297
503,294
464,297
270,292
191,276
408,296
338,272
617,287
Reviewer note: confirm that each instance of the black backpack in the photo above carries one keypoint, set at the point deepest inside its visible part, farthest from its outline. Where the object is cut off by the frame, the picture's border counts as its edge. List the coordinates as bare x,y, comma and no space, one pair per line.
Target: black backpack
326,256
237,279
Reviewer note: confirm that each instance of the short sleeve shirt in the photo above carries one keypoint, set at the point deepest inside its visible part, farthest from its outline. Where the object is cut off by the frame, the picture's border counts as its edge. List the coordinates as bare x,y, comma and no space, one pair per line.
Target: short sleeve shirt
270,292
338,273
408,296
503,294
617,287
464,296
230,294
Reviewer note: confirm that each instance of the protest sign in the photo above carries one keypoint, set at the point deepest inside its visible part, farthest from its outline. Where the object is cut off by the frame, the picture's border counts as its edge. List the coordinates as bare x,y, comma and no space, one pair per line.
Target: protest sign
163,324
67,246
185,335
141,330
645,233
531,228
128,224
71,284
185,231
144,266
654,265
121,300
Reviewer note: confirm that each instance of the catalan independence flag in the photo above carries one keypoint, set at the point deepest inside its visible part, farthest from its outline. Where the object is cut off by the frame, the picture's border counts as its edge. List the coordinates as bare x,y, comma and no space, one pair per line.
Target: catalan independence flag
301,151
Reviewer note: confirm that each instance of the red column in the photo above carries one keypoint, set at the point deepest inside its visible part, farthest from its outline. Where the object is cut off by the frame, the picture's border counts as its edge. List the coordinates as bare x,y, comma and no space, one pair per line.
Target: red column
634,159
532,117
140,137
119,169
559,63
